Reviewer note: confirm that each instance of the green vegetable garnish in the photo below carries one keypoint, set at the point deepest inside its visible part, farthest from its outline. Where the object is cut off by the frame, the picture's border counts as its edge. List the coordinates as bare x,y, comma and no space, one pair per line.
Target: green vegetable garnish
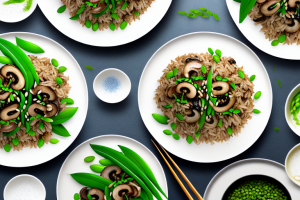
282,38
232,85
274,43
61,9
160,119
256,111
89,159
173,126
257,95
203,69
167,132
88,23
279,83
176,136
241,74
169,75
54,62
95,26
211,51
276,129
189,139
179,116
112,26
219,52
41,143
245,7
54,141
229,131
123,24
252,78
89,67
7,148
220,123
216,58
15,141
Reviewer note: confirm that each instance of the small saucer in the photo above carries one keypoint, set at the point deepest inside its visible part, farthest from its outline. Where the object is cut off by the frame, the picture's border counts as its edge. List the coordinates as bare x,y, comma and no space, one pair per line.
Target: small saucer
292,163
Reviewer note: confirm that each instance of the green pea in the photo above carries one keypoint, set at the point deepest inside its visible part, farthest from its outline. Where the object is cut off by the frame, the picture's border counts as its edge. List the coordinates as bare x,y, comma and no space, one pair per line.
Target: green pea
257,95
175,71
219,78
6,60
61,9
112,26
203,69
59,81
95,26
256,111
232,85
179,116
54,62
41,143
176,136
167,132
76,196
15,141
275,43
211,51
225,79
54,141
89,159
88,23
282,38
219,52
97,168
69,101
173,126
229,131
62,69
189,139
252,78
236,111
220,123
106,162
241,74
7,148
160,119
123,25
169,75
216,58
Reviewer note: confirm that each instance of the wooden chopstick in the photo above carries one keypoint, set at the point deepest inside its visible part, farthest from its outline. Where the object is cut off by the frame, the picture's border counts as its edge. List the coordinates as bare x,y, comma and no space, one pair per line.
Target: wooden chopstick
175,175
183,176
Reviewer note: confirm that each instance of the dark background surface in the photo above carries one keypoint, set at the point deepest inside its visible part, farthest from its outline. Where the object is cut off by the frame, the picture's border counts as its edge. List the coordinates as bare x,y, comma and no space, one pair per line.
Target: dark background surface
124,118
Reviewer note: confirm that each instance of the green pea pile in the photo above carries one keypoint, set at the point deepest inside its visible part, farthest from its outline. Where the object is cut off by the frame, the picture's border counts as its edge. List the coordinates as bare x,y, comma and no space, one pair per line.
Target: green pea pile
257,189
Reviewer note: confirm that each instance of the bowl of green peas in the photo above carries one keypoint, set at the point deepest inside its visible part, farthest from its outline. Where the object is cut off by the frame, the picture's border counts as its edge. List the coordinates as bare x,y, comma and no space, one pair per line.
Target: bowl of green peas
255,187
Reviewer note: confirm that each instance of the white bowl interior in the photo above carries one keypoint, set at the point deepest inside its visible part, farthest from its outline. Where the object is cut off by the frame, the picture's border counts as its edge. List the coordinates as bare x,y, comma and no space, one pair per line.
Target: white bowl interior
292,163
119,93
288,116
25,187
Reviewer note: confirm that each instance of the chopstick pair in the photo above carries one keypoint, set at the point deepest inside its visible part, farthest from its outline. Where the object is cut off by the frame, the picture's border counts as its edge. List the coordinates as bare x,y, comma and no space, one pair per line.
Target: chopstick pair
181,173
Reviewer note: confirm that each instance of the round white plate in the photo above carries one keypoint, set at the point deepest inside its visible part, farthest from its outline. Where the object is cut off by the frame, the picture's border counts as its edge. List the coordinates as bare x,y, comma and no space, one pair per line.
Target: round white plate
106,38
223,179
66,186
257,38
30,157
197,43
14,12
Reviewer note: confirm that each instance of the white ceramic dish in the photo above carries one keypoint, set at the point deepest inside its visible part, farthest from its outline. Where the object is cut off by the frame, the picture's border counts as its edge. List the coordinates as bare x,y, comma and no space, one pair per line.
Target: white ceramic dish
292,163
79,93
257,38
66,187
112,85
14,12
288,117
199,42
107,37
224,178
25,187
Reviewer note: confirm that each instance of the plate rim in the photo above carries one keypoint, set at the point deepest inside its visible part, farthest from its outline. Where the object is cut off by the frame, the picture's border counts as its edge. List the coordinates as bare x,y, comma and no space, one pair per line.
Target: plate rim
235,163
87,97
113,135
214,33
123,43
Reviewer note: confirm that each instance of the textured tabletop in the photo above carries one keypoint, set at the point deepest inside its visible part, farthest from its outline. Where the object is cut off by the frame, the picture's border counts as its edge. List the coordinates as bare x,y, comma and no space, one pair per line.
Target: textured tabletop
124,118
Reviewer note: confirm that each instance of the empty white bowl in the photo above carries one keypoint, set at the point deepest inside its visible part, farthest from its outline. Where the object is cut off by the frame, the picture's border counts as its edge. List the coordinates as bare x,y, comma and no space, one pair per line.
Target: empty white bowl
288,116
292,164
112,85
25,187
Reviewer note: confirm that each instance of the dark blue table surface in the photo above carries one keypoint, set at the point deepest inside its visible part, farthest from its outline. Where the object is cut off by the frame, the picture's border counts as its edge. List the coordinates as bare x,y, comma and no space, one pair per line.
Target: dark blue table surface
124,118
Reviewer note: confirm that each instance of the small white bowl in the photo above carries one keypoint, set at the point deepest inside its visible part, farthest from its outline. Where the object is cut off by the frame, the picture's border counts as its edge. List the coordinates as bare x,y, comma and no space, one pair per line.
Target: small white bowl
25,187
114,94
14,12
288,116
292,163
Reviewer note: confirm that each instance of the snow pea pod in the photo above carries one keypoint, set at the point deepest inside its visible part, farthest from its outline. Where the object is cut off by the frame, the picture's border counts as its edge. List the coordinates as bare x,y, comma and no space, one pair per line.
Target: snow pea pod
106,192
113,6
118,159
22,102
209,89
12,132
28,46
141,163
6,60
76,16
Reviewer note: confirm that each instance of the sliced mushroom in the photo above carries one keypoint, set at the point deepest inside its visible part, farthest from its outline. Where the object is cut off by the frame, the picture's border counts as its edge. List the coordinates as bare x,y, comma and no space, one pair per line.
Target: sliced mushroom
83,193
10,127
35,109
4,96
191,66
261,1
193,118
10,112
293,27
136,190
98,9
46,93
224,108
111,172
171,91
220,88
188,89
96,194
53,111
10,71
267,10
293,3
120,191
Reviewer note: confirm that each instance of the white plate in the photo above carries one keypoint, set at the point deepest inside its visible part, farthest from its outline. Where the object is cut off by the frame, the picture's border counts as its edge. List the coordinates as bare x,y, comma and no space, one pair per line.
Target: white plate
14,12
197,43
106,38
66,186
257,38
30,157
223,179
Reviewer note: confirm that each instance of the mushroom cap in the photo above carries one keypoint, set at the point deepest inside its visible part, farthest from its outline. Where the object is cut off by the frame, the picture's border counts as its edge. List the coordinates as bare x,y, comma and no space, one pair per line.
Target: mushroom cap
293,3
19,82
4,96
194,118
98,9
261,1
120,189
136,190
224,87
171,90
83,193
191,66
96,194
51,96
54,110
224,108
10,127
35,109
295,27
192,90
265,8
5,113
109,170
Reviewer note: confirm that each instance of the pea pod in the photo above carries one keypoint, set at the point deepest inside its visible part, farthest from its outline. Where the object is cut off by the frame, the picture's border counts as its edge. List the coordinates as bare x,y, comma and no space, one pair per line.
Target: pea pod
106,162
60,130
209,89
106,192
6,60
12,132
91,180
22,101
64,116
113,6
143,196
76,16
141,163
28,46
129,167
